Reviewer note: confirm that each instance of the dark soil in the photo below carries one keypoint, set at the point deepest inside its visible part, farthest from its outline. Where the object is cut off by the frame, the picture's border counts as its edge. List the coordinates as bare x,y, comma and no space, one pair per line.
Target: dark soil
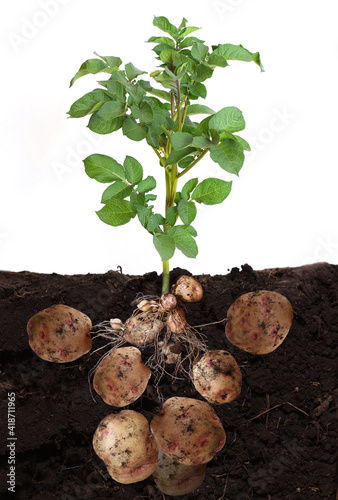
288,452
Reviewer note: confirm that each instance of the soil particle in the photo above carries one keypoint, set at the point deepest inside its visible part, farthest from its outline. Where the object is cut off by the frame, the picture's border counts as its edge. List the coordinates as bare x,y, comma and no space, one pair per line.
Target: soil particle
281,430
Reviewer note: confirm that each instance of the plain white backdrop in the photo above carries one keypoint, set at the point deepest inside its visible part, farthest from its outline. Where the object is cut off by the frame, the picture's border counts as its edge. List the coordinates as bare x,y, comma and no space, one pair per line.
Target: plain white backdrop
282,210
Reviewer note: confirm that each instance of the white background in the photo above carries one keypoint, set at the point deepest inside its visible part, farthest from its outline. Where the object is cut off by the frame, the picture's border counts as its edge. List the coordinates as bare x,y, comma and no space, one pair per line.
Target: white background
282,210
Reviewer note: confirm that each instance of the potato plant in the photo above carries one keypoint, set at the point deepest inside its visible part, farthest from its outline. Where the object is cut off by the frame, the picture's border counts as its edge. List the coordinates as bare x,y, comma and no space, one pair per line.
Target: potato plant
162,111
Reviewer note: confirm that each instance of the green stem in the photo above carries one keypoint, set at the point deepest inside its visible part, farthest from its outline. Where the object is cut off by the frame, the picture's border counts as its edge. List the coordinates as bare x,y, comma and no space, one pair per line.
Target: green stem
165,277
193,163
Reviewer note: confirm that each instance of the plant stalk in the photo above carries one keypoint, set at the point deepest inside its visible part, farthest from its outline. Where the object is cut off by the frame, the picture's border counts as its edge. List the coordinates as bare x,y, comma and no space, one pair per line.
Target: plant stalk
165,277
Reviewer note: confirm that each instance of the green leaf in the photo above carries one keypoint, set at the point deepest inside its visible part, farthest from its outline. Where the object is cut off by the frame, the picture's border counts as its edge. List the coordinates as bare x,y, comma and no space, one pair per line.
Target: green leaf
162,94
165,245
191,230
181,140
198,90
92,66
184,241
155,220
211,191
103,168
188,188
229,155
133,169
132,72
148,184
229,119
177,155
232,52
203,72
150,197
117,90
187,211
199,51
186,162
186,31
243,142
171,216
202,142
118,189
143,213
163,24
116,212
136,91
167,56
163,40
113,62
143,112
133,130
107,118
189,41
199,109
137,199
119,77
86,103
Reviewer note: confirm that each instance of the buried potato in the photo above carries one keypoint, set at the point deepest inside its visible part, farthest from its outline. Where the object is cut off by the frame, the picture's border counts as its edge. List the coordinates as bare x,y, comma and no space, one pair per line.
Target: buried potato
173,478
258,322
121,377
142,329
188,430
60,334
123,441
217,377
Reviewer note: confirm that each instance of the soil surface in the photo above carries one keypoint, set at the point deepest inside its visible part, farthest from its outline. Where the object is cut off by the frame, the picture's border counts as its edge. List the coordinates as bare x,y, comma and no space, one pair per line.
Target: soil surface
281,431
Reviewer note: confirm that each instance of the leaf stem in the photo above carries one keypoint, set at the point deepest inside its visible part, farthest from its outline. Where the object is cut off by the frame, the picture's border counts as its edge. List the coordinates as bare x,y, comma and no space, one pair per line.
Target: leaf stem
193,163
162,161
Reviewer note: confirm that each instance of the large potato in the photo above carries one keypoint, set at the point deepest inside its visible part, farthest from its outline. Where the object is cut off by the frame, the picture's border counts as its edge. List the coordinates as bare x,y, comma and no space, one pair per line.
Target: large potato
188,430
217,377
258,322
60,334
126,446
121,377
173,478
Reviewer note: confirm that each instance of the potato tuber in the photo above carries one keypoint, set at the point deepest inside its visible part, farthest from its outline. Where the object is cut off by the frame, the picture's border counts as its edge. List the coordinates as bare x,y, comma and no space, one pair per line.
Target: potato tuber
60,334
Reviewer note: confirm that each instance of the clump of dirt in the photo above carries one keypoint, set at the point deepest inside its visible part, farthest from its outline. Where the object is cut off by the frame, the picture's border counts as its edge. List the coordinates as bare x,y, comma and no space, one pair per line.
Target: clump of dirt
281,430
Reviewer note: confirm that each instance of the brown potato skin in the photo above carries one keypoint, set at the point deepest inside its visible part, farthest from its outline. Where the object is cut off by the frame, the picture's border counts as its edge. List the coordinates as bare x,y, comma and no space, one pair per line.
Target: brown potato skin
173,478
217,377
60,334
188,430
142,329
258,322
121,377
123,441
176,321
187,289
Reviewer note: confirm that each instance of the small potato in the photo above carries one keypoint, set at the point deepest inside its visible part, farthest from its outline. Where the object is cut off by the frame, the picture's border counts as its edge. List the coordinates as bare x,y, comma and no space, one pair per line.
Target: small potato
258,322
176,321
187,289
60,334
217,377
168,301
126,446
174,478
143,328
121,377
188,431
